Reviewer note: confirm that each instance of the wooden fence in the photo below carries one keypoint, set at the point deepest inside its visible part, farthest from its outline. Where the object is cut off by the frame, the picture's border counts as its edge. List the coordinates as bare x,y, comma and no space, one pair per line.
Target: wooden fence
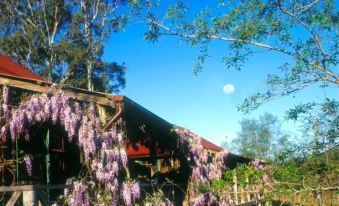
29,195
248,194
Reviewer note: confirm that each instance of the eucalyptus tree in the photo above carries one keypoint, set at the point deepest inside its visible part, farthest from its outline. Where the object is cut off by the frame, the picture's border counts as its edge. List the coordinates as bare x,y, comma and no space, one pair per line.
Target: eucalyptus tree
305,31
32,33
93,22
63,40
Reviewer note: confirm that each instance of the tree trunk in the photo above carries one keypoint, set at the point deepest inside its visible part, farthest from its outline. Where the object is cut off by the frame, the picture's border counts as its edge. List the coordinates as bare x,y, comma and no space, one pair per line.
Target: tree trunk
89,75
50,68
315,139
88,30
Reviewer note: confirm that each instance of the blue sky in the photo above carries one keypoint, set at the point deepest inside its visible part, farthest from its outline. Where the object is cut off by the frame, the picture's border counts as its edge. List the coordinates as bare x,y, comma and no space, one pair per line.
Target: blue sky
160,78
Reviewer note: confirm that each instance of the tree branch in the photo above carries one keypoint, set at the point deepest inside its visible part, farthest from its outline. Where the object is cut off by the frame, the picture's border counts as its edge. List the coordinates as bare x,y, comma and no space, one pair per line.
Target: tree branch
43,5
95,9
334,78
308,6
230,39
314,36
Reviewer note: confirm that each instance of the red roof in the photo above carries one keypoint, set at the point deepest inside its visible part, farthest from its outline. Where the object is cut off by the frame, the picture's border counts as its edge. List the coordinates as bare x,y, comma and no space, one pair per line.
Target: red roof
9,67
209,145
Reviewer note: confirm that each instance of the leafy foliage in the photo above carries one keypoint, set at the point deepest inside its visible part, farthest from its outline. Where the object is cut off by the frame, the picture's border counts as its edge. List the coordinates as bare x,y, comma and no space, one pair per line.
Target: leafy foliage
320,123
64,40
300,169
312,174
304,31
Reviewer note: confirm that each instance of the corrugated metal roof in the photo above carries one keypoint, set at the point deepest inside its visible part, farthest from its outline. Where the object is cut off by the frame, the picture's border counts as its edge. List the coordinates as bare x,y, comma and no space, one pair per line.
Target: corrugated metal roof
9,67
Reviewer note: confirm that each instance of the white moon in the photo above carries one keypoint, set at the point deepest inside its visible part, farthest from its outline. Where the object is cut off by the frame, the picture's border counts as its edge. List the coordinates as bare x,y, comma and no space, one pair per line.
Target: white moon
228,88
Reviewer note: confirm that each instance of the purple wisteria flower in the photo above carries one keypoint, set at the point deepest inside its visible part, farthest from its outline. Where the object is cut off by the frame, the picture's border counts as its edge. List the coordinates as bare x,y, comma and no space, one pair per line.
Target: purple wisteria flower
105,151
126,194
28,163
79,196
256,164
3,134
5,99
135,190
205,199
205,167
130,192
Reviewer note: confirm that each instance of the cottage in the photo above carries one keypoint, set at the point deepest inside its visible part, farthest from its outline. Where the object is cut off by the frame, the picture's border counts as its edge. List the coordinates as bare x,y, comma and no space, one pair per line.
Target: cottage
151,145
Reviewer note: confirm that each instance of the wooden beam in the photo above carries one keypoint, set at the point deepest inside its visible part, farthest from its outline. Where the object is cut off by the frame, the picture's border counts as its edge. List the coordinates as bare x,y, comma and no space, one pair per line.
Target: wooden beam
13,199
33,187
29,198
72,92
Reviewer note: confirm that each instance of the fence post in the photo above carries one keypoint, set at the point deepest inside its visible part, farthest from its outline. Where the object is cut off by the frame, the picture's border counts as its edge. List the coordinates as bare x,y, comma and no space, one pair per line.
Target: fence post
242,195
235,186
247,187
29,198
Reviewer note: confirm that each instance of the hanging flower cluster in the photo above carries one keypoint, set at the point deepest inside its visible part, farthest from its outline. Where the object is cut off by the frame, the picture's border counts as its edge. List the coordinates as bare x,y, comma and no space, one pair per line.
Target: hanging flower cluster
5,97
190,144
130,192
104,151
266,180
4,111
79,195
205,167
28,163
40,109
256,164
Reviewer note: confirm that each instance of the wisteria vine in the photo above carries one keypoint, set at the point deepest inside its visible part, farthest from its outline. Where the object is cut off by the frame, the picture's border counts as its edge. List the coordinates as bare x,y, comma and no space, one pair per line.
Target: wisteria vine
208,167
104,151
205,168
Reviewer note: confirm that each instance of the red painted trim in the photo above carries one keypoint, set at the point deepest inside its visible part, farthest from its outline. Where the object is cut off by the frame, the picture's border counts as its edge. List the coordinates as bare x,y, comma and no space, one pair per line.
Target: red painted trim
118,98
8,66
141,150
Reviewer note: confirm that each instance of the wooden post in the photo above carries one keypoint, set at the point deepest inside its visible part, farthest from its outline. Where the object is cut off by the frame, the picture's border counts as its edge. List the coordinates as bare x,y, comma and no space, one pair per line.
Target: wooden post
242,195
47,160
247,187
259,196
17,160
29,198
102,114
235,187
14,198
153,155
